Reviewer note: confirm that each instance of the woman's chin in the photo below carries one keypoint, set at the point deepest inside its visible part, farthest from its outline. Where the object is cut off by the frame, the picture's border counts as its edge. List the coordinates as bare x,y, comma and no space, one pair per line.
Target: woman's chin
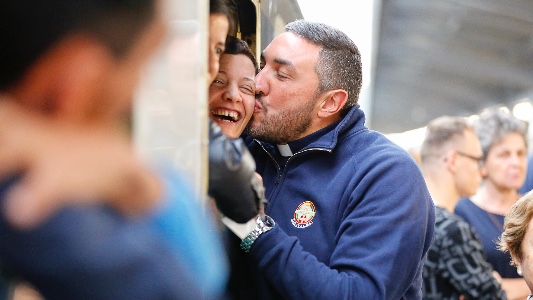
230,129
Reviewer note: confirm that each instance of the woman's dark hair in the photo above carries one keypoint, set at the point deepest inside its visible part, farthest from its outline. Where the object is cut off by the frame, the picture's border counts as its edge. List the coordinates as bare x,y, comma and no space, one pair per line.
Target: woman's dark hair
237,46
30,28
227,8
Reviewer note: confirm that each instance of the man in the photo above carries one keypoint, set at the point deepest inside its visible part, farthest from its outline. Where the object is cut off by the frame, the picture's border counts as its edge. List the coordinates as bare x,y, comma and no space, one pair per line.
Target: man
72,66
349,215
456,265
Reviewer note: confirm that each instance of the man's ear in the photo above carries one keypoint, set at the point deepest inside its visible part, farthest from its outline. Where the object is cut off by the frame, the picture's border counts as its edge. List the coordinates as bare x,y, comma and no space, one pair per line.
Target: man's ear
483,169
333,101
449,159
64,81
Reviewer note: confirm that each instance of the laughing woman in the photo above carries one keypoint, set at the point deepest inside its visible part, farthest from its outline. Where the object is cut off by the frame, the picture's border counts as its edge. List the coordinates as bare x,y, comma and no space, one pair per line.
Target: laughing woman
232,92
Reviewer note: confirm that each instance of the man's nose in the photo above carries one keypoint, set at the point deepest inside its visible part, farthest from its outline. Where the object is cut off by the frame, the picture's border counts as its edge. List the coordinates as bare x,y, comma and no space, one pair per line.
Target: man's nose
260,83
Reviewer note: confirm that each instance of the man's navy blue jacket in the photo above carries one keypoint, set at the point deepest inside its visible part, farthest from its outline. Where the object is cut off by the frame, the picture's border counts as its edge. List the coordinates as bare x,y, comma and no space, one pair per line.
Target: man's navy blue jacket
354,219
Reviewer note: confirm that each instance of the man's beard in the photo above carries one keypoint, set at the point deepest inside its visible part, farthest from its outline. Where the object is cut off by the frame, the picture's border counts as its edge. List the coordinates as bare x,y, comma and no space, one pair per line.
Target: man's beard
283,127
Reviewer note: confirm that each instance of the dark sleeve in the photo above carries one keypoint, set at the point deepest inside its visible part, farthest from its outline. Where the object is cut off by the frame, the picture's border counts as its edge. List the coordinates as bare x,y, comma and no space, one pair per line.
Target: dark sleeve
463,263
4,288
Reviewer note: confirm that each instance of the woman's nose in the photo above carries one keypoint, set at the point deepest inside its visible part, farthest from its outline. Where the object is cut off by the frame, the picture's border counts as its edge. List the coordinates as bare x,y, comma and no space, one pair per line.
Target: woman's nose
232,94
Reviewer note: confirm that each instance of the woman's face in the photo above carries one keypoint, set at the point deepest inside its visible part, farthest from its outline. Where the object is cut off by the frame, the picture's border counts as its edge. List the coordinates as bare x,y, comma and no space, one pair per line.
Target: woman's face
218,30
526,265
506,163
232,94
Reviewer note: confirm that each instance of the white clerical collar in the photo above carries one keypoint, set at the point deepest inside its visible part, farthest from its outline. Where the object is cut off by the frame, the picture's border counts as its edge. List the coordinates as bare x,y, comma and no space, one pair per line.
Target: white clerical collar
285,150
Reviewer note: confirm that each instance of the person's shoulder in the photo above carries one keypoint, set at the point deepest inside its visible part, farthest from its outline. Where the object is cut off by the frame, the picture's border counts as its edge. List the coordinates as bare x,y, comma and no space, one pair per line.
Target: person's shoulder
245,137
248,140
450,222
354,133
464,208
457,230
374,143
445,221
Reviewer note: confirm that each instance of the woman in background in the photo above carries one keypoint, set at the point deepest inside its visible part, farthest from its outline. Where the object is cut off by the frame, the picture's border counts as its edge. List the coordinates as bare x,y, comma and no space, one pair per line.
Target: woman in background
503,169
221,23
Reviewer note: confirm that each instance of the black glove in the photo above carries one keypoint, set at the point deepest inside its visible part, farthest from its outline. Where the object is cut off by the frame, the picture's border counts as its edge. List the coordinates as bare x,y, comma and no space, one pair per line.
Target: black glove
232,180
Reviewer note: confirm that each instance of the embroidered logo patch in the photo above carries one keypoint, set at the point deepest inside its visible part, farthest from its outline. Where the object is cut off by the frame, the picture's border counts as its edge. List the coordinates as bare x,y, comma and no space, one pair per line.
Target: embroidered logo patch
304,214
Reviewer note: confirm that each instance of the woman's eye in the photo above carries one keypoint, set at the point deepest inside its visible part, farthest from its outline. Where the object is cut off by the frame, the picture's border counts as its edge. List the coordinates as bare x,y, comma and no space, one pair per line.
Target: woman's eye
248,90
217,82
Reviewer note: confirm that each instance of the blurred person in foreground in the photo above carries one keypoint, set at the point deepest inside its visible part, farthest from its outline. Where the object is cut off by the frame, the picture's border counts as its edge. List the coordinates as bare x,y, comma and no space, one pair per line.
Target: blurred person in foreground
72,66
503,171
517,237
456,265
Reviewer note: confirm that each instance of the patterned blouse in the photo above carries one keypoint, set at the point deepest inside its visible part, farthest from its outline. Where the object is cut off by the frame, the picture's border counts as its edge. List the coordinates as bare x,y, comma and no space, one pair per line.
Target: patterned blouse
456,263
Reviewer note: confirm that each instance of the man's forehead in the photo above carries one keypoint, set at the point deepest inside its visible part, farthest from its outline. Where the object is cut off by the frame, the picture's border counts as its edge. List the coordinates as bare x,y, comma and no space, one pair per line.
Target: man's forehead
290,47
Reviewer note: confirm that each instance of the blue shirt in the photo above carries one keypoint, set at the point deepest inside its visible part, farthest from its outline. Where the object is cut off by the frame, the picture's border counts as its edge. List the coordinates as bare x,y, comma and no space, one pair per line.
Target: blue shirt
92,252
489,227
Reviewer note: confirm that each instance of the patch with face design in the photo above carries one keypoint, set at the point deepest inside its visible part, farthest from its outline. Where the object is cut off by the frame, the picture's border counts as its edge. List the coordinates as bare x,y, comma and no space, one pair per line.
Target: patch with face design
304,214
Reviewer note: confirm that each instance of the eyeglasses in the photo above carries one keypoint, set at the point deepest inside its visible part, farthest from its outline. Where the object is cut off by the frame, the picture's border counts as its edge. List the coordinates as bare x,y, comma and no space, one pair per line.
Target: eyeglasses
478,159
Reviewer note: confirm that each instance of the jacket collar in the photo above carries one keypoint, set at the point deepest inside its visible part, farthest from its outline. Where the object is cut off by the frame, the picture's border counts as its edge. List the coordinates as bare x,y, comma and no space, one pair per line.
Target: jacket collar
353,121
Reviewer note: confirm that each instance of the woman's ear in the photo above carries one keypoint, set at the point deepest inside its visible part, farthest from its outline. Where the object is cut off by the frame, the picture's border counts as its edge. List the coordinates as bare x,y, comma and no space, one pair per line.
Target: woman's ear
517,262
333,101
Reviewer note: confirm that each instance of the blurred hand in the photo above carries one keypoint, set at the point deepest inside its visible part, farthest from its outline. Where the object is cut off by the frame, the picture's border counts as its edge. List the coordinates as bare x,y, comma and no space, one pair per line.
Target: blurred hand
64,165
